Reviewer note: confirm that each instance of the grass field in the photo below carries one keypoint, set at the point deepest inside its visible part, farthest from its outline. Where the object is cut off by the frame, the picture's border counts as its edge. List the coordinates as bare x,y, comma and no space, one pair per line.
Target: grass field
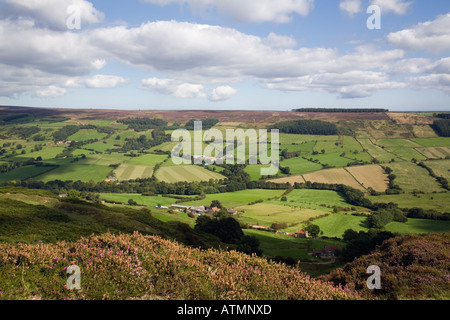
24,173
440,168
437,201
239,198
99,146
255,171
186,173
132,172
334,176
332,159
419,226
148,160
433,142
377,152
335,225
300,165
266,214
274,245
411,177
370,176
140,199
435,152
321,200
46,153
82,172
87,134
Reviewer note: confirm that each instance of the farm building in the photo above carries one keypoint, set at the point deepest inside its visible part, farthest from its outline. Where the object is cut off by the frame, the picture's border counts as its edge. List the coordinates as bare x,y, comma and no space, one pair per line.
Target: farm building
178,207
327,253
301,234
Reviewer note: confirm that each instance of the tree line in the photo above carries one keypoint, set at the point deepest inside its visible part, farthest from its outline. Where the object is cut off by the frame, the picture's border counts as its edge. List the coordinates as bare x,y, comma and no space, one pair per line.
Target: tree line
442,127
313,127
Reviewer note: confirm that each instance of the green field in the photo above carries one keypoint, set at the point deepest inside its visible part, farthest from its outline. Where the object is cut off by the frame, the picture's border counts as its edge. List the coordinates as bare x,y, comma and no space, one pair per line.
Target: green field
186,173
419,226
440,167
239,198
131,172
99,146
140,199
82,172
322,200
87,134
335,225
287,246
433,142
267,214
254,171
46,153
150,160
410,177
436,201
24,173
300,165
332,159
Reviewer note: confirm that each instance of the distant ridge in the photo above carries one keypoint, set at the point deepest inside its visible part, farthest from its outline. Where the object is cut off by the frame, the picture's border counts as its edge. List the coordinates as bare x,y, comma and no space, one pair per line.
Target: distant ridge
340,110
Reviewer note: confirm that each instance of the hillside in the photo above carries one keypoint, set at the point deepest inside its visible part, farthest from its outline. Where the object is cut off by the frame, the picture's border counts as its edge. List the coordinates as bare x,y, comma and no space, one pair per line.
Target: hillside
148,267
412,267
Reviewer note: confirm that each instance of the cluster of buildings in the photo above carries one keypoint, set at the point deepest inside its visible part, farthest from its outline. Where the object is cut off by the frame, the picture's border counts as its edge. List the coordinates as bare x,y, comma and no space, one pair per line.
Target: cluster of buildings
200,210
328,252
299,234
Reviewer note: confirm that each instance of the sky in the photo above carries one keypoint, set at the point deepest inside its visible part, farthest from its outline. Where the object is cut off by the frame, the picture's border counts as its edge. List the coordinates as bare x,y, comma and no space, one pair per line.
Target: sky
225,54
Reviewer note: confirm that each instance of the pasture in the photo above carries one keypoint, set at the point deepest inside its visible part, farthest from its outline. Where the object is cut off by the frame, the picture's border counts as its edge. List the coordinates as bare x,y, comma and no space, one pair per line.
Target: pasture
370,177
300,165
440,167
266,214
436,201
334,176
132,172
410,177
189,173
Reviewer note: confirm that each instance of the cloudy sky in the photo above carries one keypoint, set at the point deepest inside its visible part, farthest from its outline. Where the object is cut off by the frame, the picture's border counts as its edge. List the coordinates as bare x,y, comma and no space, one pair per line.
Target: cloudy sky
225,54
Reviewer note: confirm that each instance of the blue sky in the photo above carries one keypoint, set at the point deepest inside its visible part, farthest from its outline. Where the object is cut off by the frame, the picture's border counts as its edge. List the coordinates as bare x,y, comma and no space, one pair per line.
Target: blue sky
225,54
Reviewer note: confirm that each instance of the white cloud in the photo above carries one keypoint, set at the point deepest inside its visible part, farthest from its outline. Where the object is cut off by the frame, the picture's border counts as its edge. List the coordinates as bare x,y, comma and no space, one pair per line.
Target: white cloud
279,11
104,81
49,13
223,93
433,81
352,7
392,6
278,41
51,92
432,36
174,87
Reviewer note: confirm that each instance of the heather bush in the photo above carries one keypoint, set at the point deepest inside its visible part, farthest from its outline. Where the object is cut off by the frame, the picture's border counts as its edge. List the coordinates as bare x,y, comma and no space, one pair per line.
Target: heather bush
134,266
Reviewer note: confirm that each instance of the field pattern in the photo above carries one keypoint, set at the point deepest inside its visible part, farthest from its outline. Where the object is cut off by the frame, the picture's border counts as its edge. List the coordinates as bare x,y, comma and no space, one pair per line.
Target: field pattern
409,174
370,176
132,172
334,176
186,173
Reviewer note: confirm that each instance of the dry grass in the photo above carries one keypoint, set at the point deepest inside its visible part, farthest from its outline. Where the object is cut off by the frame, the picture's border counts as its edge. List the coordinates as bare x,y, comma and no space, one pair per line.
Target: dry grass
370,176
334,176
